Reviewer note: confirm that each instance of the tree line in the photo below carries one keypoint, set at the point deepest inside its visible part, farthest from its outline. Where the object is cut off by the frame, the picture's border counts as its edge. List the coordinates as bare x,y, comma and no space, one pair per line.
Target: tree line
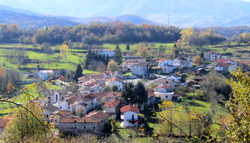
94,33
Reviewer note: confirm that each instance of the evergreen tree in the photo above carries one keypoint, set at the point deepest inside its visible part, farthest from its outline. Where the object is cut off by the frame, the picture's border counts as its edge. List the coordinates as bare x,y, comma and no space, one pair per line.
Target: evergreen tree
127,48
118,55
202,55
114,88
140,93
102,58
88,59
78,72
107,59
128,93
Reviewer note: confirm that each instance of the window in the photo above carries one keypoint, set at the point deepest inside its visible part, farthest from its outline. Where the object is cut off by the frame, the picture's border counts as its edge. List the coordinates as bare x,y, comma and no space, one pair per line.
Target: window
84,127
68,107
49,102
174,98
55,120
48,97
166,96
133,118
74,126
46,116
56,97
68,103
60,107
94,127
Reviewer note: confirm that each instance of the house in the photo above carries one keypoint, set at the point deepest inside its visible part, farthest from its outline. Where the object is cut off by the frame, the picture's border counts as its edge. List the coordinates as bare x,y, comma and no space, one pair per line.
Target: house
164,62
117,74
3,123
129,116
97,75
244,65
130,61
54,96
139,69
57,72
174,77
48,110
153,61
113,95
44,74
151,96
163,88
95,122
57,115
212,56
96,88
171,96
223,61
224,67
99,98
168,69
84,89
115,81
105,52
168,82
69,103
112,107
182,62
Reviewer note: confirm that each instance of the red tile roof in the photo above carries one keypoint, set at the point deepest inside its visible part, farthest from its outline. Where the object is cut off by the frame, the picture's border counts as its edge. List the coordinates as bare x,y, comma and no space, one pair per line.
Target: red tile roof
62,113
224,60
130,108
162,60
3,122
92,117
109,50
113,94
115,79
150,92
245,62
163,86
224,65
72,99
211,52
177,94
112,103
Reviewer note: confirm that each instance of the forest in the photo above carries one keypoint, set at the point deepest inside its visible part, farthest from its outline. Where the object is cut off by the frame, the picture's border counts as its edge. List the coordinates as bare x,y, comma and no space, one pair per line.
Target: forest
110,32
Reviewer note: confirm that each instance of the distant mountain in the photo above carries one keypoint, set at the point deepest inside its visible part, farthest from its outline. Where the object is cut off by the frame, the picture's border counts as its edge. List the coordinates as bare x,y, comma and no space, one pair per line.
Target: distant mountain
32,21
241,20
126,18
182,13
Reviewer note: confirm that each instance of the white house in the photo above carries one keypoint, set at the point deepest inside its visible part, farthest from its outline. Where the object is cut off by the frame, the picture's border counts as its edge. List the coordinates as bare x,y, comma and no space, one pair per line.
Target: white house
164,62
109,52
45,74
115,81
163,88
112,108
96,88
69,104
224,67
170,83
174,77
212,56
139,69
224,61
130,116
182,62
151,96
171,96
168,69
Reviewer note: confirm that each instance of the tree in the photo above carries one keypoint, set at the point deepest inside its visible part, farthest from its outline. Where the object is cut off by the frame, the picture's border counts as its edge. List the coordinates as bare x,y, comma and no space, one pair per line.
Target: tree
118,55
93,65
211,32
107,88
114,88
142,50
127,47
26,123
62,72
64,51
239,108
161,51
112,66
140,93
186,33
202,55
128,93
224,48
198,60
88,59
107,59
100,66
78,72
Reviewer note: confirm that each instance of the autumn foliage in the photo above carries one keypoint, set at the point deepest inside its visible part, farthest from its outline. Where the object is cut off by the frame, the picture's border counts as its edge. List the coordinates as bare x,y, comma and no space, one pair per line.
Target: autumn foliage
62,78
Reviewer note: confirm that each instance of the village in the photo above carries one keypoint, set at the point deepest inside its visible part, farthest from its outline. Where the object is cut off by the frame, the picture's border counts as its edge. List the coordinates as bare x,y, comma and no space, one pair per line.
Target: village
91,106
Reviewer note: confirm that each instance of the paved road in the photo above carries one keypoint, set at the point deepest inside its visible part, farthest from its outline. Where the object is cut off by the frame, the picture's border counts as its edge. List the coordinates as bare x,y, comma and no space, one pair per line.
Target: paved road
147,83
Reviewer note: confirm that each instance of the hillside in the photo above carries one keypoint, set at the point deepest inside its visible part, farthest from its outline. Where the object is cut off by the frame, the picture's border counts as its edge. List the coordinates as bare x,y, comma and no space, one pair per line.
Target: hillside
126,18
182,13
32,21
